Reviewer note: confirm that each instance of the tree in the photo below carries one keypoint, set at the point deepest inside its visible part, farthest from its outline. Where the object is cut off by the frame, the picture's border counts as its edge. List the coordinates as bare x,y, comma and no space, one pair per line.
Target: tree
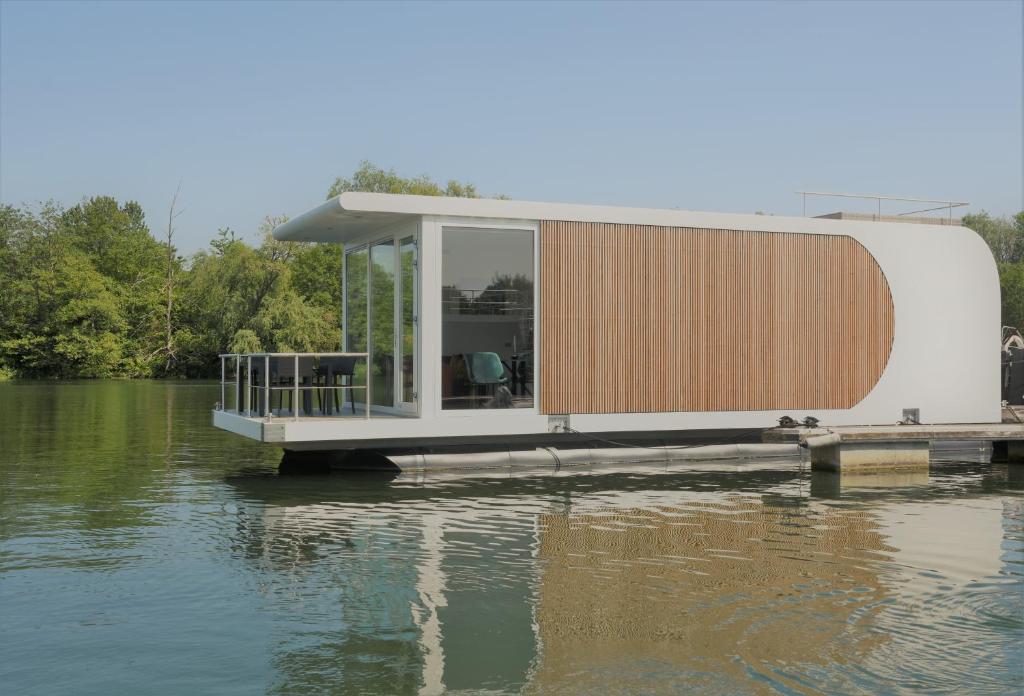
73,323
316,276
1011,286
1005,237
370,178
168,347
116,239
119,245
235,296
90,292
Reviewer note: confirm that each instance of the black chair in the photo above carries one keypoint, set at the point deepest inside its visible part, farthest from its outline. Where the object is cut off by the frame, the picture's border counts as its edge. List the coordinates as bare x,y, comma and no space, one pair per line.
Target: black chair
256,391
282,374
239,391
327,374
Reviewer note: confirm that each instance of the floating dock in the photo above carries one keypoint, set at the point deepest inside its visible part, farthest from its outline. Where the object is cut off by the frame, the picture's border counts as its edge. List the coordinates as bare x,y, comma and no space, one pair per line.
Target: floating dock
873,448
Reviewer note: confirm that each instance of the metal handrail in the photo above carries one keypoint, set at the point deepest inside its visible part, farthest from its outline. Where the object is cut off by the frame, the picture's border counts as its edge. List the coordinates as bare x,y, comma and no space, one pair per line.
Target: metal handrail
946,203
295,388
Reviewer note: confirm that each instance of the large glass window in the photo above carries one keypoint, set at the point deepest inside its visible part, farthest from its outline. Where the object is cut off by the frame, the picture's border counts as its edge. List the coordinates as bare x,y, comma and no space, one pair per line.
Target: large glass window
487,318
355,301
356,315
408,341
382,314
380,306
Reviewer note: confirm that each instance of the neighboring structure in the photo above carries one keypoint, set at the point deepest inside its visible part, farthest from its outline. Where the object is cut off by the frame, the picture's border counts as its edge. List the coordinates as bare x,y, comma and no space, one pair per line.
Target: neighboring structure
472,319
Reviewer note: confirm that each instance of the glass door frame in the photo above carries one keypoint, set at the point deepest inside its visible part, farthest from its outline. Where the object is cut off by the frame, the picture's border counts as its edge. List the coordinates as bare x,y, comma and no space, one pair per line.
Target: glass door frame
400,402
396,238
438,225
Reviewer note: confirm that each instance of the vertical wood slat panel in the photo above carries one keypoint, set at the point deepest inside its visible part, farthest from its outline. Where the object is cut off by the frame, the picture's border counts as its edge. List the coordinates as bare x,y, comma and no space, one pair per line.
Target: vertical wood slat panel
639,318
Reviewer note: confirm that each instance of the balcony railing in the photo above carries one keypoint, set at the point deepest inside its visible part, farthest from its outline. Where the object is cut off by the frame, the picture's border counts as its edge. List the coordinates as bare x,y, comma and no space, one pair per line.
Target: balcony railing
294,385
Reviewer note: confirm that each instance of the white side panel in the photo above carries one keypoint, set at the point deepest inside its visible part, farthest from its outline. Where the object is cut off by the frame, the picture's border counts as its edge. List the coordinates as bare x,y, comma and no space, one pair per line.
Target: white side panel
430,320
945,355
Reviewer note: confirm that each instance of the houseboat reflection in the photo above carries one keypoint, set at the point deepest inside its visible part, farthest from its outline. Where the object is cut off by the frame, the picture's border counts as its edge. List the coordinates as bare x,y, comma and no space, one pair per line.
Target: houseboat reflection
569,584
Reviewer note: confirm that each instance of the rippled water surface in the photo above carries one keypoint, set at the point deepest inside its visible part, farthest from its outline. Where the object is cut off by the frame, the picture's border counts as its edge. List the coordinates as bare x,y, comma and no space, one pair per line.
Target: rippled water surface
142,551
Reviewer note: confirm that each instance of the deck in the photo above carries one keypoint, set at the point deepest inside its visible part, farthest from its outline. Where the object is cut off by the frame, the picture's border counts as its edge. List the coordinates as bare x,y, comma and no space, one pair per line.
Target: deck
870,448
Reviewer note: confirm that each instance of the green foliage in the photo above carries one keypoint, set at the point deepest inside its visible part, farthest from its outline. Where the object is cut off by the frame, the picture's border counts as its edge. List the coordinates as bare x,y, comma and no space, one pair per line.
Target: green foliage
240,297
246,341
373,179
77,327
116,240
316,276
1005,237
1011,286
83,291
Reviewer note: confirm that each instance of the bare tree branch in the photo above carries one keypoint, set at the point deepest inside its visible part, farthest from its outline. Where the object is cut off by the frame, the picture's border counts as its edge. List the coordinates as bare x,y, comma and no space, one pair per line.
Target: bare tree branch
168,347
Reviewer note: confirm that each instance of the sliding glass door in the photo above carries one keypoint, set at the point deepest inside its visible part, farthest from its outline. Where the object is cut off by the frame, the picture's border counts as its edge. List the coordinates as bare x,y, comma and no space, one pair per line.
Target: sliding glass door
409,261
380,318
382,322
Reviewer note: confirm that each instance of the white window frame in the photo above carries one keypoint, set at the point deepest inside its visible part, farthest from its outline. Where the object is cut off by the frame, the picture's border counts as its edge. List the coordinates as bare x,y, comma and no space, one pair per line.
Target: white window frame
496,225
395,235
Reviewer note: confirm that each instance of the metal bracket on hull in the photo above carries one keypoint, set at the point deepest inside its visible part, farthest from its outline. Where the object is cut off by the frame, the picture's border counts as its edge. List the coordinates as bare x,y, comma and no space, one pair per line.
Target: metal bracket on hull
558,424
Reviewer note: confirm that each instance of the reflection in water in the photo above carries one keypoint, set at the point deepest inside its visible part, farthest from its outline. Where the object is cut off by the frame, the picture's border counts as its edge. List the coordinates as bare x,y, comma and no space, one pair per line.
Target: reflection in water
142,550
705,589
629,583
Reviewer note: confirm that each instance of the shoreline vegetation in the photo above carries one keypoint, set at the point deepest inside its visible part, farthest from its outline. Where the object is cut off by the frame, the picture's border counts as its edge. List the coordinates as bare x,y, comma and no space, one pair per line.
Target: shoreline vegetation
92,291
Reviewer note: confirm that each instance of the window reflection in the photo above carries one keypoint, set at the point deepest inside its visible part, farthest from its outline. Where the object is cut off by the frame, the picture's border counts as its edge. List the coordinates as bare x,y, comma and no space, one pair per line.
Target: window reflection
487,318
408,257
355,301
382,307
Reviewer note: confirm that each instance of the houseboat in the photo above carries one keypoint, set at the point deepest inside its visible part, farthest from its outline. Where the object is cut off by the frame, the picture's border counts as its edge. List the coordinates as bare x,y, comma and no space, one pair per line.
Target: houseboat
510,323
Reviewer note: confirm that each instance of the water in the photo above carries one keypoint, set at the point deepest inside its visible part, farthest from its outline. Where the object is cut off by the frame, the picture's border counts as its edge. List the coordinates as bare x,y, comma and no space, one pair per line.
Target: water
142,551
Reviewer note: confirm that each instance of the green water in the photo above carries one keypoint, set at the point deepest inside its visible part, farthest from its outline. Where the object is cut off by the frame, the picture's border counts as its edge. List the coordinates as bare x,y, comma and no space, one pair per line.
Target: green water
142,551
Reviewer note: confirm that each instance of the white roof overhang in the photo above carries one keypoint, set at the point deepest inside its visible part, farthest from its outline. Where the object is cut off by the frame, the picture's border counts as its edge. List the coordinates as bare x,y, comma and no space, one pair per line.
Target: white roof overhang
352,215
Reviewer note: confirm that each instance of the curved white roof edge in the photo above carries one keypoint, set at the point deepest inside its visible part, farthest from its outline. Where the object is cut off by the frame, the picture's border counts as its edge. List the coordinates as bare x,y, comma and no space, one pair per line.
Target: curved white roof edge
351,214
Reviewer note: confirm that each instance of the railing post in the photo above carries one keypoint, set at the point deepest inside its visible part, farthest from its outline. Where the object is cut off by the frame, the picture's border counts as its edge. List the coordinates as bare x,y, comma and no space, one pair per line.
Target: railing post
266,385
223,391
369,383
248,385
295,399
238,381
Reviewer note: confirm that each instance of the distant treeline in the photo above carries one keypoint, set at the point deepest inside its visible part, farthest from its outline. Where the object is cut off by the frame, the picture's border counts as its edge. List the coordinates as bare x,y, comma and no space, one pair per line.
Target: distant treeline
91,291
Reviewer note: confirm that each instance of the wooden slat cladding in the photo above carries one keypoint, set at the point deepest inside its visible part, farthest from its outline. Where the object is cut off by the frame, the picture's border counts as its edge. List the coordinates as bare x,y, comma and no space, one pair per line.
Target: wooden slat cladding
638,318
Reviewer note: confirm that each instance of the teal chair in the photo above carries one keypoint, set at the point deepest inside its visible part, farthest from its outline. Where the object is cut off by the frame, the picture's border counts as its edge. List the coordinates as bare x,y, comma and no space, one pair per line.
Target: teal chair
484,370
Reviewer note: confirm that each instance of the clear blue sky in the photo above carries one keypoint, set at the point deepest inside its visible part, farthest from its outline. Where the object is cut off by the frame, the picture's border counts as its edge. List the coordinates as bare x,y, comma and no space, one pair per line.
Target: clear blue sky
727,107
